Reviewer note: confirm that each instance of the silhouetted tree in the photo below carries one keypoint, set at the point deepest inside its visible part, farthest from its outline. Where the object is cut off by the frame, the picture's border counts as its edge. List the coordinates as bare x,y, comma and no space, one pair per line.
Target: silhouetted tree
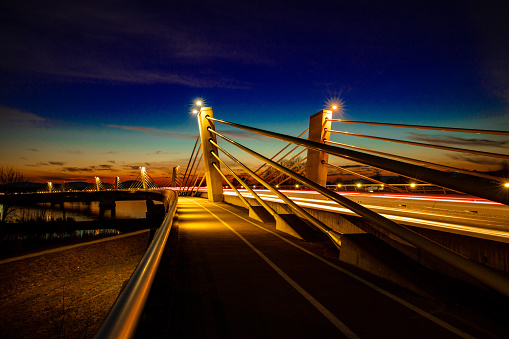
9,177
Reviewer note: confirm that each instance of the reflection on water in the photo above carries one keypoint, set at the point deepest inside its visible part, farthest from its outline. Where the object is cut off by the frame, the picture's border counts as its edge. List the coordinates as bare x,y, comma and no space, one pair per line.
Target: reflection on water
77,211
17,243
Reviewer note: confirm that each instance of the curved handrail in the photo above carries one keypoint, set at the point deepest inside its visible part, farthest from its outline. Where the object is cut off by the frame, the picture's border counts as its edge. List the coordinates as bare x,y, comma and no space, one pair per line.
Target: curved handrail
123,317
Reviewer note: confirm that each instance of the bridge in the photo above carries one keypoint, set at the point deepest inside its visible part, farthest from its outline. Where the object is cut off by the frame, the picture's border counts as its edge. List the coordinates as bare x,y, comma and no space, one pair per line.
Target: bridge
282,253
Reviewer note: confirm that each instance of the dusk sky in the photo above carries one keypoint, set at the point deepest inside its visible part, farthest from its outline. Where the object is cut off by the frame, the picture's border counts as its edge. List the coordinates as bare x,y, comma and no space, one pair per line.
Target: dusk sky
98,88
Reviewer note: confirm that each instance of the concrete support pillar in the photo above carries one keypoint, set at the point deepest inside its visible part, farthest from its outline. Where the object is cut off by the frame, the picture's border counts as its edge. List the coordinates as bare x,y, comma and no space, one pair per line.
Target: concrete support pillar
174,177
117,182
107,205
315,169
214,180
155,211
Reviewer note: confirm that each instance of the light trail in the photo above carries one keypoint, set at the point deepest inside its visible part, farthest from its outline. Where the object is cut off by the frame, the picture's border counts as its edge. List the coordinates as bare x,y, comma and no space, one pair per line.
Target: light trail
480,227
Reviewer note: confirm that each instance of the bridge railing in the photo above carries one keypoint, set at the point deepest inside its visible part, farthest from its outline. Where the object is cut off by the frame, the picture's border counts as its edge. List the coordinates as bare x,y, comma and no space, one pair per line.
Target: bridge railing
478,187
123,318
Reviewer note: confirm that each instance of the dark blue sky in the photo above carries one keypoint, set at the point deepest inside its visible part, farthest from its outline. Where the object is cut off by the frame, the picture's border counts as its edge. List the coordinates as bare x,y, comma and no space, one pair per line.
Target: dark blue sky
108,85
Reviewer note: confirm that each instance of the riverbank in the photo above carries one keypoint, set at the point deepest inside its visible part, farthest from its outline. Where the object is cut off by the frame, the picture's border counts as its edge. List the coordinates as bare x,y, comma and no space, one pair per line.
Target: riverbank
66,293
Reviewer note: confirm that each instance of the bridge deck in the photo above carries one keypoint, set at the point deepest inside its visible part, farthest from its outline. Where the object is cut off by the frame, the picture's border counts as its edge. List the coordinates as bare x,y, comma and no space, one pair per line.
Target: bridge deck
224,275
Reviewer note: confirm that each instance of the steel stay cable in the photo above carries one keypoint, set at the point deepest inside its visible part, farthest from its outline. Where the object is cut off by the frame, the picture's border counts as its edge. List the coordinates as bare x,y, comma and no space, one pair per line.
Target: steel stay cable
292,166
280,159
474,186
287,178
190,158
275,155
332,234
197,177
199,185
362,176
421,144
241,197
482,273
191,176
189,179
246,186
422,162
450,129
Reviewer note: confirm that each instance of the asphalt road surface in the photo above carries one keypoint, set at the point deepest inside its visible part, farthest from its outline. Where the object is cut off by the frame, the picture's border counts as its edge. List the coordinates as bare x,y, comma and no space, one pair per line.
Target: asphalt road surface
224,275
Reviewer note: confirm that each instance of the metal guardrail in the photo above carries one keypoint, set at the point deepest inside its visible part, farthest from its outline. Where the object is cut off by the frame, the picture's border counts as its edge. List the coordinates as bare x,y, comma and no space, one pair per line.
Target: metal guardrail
123,318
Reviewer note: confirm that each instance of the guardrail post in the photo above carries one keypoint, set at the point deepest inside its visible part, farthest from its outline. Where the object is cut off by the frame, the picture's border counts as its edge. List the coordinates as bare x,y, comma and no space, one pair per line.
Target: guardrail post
214,180
316,168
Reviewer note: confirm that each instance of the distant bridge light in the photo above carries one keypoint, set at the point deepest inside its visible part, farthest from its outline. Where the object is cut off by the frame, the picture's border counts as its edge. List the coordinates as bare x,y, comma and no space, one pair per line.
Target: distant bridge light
359,185
506,185
412,185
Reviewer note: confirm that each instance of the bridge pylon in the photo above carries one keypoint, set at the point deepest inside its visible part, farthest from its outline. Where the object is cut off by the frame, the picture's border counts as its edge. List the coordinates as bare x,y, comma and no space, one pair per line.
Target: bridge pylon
214,179
316,167
143,173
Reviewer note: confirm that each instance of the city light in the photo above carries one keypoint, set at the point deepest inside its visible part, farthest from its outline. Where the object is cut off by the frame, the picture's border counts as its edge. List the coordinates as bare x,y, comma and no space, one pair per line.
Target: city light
198,103
506,185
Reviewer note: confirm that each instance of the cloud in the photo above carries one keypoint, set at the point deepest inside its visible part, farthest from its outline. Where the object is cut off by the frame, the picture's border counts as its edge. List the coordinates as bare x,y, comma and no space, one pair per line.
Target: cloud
39,164
449,140
154,131
14,116
158,153
32,149
88,47
58,163
75,152
112,161
474,159
77,169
